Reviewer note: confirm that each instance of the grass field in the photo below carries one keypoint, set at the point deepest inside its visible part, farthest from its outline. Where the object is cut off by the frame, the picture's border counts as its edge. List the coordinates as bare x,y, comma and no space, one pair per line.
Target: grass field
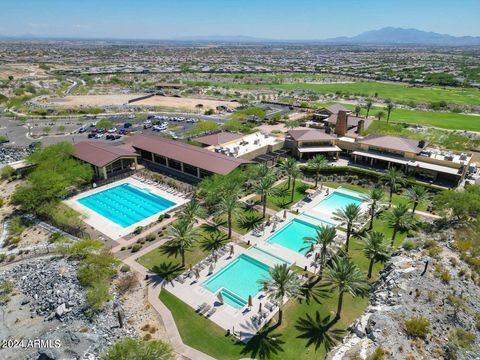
443,120
400,93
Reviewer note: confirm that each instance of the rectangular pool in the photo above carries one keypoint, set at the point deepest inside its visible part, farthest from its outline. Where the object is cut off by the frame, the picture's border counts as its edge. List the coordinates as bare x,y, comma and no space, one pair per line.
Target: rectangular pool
238,280
126,204
337,200
291,235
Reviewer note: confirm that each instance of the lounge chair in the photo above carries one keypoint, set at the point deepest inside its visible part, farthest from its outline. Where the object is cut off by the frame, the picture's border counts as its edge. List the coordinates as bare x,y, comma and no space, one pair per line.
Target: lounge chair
180,279
254,318
205,310
211,312
270,306
202,306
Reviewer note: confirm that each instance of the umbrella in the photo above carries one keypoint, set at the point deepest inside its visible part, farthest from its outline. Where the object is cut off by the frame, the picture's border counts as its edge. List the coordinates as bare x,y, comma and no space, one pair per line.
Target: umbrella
215,258
210,269
197,274
220,297
274,227
232,250
284,214
259,307
250,301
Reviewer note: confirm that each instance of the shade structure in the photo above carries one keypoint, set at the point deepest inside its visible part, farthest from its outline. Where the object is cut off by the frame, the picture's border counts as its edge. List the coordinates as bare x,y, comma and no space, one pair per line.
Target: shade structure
250,301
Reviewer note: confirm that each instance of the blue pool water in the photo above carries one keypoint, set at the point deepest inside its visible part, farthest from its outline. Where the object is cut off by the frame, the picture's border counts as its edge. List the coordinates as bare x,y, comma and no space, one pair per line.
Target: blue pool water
337,200
238,280
291,235
277,260
126,204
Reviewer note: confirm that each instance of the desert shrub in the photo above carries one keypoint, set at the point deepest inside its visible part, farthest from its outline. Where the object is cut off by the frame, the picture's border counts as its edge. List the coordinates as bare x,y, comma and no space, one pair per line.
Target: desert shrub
6,288
136,247
7,172
150,237
125,268
409,245
378,354
445,276
127,283
2,257
417,327
138,230
460,339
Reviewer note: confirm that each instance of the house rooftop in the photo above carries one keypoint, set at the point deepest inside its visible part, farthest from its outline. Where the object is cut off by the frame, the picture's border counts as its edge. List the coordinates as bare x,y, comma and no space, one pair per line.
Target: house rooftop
310,135
398,143
186,153
100,154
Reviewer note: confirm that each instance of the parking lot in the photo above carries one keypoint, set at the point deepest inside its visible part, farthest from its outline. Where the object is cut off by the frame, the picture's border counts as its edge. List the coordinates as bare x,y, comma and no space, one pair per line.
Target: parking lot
23,133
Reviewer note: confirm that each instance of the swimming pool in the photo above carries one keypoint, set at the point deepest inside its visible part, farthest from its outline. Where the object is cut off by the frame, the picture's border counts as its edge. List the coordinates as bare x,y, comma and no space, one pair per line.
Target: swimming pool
291,235
337,200
126,204
238,280
277,260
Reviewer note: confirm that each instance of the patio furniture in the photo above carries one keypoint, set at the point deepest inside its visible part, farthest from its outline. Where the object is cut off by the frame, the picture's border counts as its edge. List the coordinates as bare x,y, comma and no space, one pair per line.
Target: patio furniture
270,306
202,306
205,310
211,312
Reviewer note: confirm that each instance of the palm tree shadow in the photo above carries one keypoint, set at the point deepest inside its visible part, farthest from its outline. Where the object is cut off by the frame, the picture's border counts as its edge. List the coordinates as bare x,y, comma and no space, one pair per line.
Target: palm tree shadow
165,273
249,221
171,249
214,225
313,290
264,344
318,331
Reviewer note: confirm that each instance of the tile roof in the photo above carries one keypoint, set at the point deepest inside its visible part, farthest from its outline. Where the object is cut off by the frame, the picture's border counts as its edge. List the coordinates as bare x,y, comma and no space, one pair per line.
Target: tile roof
188,154
399,143
310,135
99,153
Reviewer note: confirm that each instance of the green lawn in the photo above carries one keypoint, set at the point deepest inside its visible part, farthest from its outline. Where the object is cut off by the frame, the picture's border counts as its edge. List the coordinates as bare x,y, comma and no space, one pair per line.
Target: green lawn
284,200
157,256
401,93
248,220
443,120
396,199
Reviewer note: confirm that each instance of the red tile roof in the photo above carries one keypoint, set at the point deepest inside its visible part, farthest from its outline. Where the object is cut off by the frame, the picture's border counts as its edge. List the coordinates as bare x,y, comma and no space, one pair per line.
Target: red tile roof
100,154
310,135
218,138
188,154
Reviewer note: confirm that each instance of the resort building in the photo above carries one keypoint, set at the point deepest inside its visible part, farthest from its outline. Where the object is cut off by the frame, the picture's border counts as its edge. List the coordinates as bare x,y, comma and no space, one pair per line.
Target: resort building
189,162
106,160
306,143
259,147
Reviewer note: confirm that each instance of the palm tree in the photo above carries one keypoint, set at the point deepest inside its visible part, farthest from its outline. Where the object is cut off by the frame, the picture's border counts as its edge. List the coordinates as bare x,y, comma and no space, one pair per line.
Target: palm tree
350,216
191,211
398,218
375,195
368,106
295,173
394,178
380,115
317,163
230,205
346,277
182,236
375,249
325,238
213,241
280,283
287,166
390,108
265,188
357,111
416,195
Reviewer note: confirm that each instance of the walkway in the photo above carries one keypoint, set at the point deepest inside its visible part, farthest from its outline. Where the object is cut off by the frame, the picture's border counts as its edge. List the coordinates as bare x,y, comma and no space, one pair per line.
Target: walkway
154,286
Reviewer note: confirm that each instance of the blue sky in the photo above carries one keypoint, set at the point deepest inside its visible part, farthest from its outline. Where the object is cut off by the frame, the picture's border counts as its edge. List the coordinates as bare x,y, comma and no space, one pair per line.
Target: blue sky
280,19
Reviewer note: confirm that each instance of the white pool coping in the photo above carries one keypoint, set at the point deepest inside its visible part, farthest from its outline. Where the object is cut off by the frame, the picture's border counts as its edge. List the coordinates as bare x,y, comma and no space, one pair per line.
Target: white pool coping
110,228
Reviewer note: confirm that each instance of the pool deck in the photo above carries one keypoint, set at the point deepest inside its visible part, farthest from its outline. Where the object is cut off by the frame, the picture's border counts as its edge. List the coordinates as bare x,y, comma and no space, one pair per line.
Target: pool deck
110,228
239,320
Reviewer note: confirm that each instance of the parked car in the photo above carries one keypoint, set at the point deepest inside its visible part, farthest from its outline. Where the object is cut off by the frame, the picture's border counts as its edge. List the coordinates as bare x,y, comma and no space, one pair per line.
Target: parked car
147,124
99,135
93,130
112,130
127,125
91,135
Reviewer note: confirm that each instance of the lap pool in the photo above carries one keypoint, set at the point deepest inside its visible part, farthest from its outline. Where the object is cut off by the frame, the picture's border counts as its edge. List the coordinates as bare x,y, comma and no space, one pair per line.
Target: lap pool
338,200
238,280
126,204
291,236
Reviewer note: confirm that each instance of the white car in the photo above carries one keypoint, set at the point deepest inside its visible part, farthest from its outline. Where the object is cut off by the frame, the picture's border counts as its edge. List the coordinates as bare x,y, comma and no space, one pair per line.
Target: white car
112,130
98,136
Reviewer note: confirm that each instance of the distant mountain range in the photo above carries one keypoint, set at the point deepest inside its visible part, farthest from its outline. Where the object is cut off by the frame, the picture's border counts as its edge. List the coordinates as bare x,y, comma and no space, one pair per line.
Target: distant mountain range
384,36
